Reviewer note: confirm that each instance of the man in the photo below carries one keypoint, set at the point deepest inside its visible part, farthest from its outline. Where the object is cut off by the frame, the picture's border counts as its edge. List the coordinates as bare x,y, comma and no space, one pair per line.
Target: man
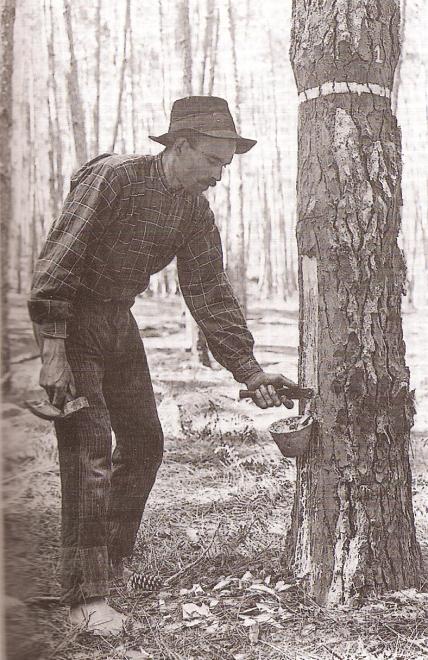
125,218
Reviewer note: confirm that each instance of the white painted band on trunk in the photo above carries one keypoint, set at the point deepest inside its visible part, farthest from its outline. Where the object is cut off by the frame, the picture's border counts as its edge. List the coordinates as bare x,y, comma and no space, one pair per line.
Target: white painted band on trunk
333,87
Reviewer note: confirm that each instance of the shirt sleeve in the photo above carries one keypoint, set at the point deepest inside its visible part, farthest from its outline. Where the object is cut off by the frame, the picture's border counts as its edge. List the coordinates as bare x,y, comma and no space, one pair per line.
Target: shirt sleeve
88,208
211,301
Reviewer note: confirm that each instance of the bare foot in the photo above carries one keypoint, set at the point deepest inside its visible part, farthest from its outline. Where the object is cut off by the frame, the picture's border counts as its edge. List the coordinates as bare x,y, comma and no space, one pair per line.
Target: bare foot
98,617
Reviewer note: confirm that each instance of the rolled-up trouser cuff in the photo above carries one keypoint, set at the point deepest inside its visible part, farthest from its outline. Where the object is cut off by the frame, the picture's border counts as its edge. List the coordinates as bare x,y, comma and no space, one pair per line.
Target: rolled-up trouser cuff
81,594
85,574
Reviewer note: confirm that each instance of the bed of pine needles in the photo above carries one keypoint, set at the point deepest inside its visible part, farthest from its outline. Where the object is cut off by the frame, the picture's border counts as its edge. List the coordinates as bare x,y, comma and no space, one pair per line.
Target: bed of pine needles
214,534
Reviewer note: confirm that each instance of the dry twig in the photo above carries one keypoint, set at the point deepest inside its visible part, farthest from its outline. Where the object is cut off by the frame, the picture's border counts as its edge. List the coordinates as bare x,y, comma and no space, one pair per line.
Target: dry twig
407,639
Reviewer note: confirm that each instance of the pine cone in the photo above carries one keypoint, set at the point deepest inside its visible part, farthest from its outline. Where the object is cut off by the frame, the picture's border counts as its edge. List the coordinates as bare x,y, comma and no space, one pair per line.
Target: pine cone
144,582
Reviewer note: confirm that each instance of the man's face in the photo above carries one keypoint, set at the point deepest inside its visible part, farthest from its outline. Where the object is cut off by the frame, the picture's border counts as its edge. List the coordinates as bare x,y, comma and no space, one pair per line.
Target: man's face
200,163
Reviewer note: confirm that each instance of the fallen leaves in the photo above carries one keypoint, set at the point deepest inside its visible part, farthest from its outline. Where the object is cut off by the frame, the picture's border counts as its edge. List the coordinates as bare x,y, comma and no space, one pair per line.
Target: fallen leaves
224,583
254,633
195,612
254,604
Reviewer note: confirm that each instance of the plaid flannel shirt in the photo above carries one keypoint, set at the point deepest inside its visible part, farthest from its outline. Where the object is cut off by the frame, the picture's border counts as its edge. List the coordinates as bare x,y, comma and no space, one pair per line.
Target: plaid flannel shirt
121,223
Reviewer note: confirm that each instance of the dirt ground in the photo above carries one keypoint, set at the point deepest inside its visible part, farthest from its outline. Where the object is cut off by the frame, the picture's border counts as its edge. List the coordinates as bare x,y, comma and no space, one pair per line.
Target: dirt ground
215,523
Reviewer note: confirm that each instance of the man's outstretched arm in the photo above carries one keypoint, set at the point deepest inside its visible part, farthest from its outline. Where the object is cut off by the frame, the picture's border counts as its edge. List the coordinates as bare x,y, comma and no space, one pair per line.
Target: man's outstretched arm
210,298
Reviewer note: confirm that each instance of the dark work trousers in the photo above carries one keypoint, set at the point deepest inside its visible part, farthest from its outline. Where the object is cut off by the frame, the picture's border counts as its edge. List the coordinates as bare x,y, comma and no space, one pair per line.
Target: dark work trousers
103,496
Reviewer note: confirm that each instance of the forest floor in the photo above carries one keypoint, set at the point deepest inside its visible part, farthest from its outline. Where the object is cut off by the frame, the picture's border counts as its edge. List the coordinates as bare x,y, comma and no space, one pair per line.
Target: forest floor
217,516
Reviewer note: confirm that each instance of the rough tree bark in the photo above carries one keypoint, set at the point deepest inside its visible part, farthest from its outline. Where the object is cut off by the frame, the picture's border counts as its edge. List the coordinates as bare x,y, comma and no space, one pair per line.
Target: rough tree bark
76,104
7,16
352,528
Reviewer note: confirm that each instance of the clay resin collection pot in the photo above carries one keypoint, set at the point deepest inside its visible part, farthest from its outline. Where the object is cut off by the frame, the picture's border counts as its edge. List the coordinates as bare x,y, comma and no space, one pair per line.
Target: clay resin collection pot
292,435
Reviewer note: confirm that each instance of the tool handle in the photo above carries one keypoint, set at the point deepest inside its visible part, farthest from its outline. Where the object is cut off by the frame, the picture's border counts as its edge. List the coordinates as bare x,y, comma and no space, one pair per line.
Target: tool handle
289,392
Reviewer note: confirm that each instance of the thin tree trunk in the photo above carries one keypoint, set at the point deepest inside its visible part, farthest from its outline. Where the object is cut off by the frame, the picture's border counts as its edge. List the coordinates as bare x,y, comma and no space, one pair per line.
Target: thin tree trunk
122,74
19,260
225,220
134,113
7,15
265,273
75,99
97,74
57,131
163,68
213,55
282,278
52,177
426,136
195,336
291,277
208,38
53,190
33,235
352,530
424,242
184,42
397,77
411,257
237,268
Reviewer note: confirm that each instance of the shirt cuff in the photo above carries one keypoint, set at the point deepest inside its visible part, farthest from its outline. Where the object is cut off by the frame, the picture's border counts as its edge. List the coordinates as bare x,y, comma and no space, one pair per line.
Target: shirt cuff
246,369
55,329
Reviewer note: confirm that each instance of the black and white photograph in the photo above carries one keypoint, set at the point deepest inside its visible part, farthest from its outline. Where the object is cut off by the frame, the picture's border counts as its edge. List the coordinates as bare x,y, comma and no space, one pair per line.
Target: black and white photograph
214,324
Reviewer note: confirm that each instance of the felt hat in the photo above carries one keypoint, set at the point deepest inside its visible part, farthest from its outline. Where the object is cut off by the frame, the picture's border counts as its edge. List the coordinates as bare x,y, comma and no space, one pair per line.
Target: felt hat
206,115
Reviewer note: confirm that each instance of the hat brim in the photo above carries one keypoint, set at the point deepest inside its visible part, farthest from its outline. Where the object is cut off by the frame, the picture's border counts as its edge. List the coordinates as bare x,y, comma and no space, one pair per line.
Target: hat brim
242,144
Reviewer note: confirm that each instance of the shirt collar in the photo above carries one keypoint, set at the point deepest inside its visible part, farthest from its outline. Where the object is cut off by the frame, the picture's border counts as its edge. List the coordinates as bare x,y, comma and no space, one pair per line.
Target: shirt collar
161,173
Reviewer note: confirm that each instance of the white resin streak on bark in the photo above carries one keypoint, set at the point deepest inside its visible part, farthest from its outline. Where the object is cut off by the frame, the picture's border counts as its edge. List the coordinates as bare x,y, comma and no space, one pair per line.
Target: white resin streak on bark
333,87
349,553
309,378
309,366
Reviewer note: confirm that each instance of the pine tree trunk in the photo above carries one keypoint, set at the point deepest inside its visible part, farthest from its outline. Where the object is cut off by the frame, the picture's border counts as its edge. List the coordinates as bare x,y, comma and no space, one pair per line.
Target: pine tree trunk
213,54
122,74
195,338
280,196
163,48
352,530
208,37
265,284
57,131
97,76
75,98
7,16
134,95
184,42
50,101
237,267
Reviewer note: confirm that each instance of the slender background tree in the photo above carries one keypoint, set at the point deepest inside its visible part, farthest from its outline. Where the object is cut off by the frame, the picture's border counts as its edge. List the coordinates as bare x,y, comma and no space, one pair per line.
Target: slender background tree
7,19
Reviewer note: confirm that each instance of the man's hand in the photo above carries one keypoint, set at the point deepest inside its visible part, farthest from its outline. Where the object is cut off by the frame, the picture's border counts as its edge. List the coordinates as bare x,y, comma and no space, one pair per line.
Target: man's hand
264,385
56,376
